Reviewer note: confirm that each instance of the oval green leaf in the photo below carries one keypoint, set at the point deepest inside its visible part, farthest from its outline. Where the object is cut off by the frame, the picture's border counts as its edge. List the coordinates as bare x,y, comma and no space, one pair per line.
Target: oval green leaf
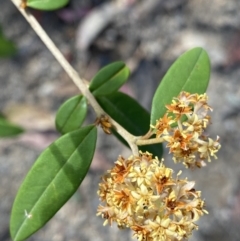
190,72
8,129
109,79
46,4
131,115
71,114
53,179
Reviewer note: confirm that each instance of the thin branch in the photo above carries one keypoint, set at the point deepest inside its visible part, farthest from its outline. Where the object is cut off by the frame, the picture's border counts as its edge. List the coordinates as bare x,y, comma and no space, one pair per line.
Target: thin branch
58,55
78,81
147,135
141,142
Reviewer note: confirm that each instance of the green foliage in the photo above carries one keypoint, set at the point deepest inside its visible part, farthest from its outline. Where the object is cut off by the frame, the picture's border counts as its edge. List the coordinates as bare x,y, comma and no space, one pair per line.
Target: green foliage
109,79
60,169
8,129
71,114
7,47
52,180
131,115
190,72
46,4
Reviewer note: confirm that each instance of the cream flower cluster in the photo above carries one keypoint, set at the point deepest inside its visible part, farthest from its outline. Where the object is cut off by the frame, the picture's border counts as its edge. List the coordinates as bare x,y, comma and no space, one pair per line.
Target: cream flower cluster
140,193
183,126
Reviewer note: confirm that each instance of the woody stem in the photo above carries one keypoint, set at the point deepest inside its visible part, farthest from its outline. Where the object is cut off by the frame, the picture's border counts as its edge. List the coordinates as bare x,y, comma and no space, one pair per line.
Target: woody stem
74,76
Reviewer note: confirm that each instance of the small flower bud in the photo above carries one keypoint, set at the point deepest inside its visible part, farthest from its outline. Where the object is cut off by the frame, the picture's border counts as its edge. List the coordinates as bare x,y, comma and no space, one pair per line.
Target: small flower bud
105,124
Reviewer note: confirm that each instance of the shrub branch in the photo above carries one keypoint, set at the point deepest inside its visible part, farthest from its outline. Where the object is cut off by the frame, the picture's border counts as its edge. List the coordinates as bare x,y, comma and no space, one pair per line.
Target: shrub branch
78,81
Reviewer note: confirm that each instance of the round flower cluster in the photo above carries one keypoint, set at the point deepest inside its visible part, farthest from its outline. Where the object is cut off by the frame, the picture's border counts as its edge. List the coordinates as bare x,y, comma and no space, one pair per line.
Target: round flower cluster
183,128
140,193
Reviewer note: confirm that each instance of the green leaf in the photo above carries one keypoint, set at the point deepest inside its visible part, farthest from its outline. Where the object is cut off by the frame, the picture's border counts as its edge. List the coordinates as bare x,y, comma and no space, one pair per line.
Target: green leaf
46,4
131,115
53,179
190,72
7,47
109,79
71,114
8,129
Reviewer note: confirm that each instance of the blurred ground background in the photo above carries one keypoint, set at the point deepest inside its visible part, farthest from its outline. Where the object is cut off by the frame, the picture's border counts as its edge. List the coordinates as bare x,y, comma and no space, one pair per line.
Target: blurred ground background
148,36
